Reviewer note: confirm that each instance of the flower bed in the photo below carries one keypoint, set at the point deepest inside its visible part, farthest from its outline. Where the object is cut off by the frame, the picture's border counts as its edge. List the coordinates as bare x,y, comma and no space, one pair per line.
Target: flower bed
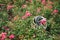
17,19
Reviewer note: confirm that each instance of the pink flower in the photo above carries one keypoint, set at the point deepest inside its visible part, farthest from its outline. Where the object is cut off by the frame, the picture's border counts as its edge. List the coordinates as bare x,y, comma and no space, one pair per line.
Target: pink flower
11,36
50,7
38,9
3,35
5,27
43,2
28,13
9,7
43,21
50,2
30,0
24,6
55,11
24,17
16,17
